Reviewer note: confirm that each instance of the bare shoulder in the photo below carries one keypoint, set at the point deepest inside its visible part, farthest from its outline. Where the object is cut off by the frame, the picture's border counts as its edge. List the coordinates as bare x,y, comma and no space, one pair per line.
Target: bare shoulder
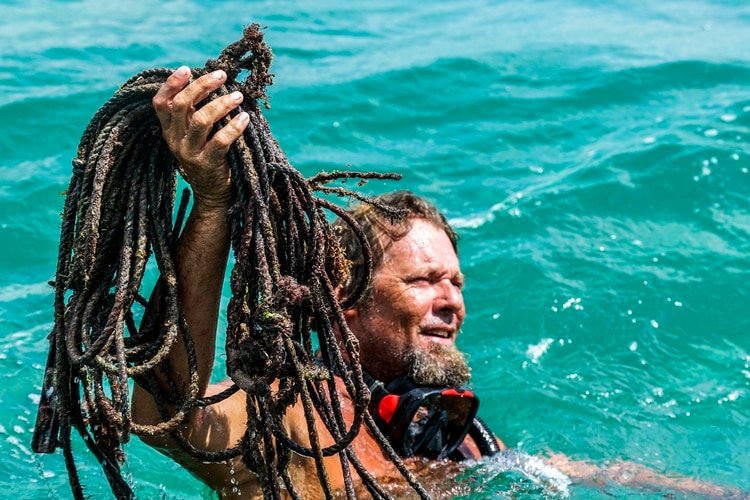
211,429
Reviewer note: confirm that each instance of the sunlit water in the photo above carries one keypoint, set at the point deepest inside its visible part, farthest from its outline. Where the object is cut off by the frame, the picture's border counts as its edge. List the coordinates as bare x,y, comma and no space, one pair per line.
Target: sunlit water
594,159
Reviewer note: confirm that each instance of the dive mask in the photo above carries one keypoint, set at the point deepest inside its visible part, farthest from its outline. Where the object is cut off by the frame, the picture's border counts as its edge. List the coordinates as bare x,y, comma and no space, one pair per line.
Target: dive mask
422,420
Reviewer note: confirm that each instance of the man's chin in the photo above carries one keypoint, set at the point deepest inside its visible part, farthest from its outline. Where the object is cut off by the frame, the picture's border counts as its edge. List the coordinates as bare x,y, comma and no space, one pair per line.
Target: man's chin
438,364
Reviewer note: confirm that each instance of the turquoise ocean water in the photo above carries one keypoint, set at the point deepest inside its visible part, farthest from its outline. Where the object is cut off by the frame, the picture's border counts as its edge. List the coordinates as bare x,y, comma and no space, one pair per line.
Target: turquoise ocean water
594,157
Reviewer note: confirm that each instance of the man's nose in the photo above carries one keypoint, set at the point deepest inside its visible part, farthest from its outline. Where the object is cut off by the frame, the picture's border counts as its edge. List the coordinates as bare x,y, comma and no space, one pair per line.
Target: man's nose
450,298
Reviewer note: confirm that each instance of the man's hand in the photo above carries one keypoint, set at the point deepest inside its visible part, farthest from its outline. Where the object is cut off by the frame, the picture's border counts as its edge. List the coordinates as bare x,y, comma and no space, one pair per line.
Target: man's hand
186,130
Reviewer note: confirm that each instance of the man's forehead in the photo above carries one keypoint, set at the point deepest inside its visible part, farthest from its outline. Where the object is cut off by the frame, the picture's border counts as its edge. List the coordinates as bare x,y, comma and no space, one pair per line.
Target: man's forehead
425,244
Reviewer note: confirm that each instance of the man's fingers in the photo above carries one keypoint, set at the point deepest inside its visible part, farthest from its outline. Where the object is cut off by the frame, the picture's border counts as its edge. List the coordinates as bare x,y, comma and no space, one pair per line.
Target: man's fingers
223,139
162,101
203,120
197,91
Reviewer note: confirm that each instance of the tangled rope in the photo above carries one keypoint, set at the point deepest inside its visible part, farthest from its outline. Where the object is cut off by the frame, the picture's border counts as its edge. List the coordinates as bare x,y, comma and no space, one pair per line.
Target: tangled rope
119,211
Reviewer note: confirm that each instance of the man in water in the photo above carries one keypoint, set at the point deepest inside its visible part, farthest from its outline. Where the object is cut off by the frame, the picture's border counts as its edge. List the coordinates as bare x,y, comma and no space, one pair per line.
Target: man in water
407,324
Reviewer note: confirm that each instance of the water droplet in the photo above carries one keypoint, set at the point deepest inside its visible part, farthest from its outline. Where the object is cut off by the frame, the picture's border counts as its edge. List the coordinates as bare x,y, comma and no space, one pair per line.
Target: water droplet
712,132
633,346
728,117
654,323
571,301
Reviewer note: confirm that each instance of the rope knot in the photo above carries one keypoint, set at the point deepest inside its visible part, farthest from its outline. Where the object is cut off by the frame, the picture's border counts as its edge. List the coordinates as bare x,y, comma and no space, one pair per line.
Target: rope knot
249,53
289,293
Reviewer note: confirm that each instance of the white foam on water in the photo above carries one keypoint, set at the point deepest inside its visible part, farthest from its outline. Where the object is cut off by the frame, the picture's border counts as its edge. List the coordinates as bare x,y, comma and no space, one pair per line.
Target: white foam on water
475,221
16,291
732,396
531,467
536,351
18,445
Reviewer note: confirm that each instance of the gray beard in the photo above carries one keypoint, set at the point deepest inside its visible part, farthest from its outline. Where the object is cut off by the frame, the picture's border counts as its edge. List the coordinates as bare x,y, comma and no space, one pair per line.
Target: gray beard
438,365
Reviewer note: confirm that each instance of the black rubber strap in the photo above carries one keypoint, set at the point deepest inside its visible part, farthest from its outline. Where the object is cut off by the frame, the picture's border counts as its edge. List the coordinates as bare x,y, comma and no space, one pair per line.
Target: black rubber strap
484,438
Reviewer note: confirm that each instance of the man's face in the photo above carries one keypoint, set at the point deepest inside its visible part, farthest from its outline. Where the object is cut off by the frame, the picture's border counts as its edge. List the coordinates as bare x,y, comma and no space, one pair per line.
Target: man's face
410,323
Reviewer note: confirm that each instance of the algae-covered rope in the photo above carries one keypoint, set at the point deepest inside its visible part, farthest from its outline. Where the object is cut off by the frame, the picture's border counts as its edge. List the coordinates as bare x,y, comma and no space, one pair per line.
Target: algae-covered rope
119,211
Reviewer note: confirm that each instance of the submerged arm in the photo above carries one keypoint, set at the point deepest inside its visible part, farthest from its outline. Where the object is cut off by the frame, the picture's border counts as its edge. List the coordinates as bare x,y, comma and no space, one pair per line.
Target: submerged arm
638,476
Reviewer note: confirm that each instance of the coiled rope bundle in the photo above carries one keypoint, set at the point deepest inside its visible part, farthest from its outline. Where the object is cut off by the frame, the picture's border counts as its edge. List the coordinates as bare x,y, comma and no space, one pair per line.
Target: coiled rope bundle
119,211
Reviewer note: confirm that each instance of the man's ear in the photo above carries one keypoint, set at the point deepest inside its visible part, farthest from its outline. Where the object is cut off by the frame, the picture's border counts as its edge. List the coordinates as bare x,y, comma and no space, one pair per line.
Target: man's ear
349,314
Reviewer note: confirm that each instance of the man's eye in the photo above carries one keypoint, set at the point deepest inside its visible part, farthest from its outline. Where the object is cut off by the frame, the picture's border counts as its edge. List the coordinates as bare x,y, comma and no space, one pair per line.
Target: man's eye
420,279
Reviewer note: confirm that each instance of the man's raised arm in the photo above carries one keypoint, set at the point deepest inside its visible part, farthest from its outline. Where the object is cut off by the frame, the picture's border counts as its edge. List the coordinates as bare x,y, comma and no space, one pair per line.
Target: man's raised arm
204,246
